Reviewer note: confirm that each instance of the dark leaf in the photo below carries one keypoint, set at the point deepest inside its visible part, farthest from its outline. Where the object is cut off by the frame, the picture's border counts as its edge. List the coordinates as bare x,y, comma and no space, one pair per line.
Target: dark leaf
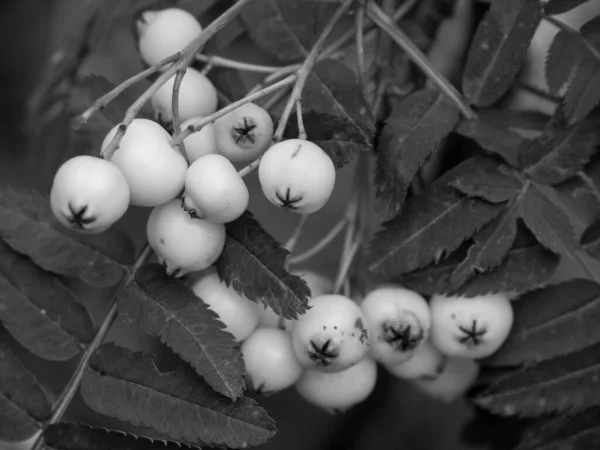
581,194
432,224
490,180
550,225
254,264
568,150
286,29
569,382
550,322
28,225
159,305
177,404
579,431
590,240
553,7
77,436
562,59
40,311
415,128
514,118
23,402
499,49
336,114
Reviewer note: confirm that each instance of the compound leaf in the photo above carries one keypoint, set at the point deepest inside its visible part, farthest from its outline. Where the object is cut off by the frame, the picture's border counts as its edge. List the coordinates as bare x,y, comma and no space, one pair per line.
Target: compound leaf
177,404
590,240
553,7
39,310
28,225
562,59
336,115
23,402
415,128
254,264
160,305
499,49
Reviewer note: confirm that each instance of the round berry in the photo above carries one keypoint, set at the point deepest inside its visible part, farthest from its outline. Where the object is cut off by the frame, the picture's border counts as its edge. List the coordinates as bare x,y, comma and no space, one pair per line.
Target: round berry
244,134
398,321
201,142
197,97
271,363
181,243
470,327
339,391
154,170
331,335
426,362
164,33
453,382
89,194
297,175
214,190
237,313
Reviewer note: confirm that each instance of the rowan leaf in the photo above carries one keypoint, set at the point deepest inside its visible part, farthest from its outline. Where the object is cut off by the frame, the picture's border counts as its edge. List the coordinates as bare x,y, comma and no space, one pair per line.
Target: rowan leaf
23,402
554,7
336,115
122,385
590,240
160,305
516,119
39,311
568,382
433,223
286,29
413,131
28,225
552,321
499,49
562,60
254,264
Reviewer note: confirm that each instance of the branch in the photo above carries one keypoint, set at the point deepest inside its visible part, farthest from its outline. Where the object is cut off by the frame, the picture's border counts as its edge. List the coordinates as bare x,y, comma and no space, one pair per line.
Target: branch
572,31
227,63
175,112
321,244
291,243
301,130
359,24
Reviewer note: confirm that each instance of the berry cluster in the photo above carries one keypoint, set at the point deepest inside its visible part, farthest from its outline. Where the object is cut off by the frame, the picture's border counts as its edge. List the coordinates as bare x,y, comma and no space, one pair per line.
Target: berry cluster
191,199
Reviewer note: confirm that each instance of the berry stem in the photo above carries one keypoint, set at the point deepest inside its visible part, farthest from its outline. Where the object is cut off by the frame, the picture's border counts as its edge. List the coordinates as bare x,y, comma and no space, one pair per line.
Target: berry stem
572,31
184,58
319,246
219,61
359,23
301,130
69,391
175,112
291,243
386,23
275,99
345,266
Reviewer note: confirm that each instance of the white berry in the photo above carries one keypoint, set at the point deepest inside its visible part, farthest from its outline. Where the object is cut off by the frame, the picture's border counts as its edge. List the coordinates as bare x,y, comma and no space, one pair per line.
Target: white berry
426,362
453,382
201,142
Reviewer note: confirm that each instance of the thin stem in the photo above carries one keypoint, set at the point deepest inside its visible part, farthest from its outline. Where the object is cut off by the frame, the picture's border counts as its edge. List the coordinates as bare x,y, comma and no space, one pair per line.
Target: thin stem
301,130
345,266
103,101
322,244
207,69
417,56
538,92
175,112
197,126
249,168
291,243
273,77
572,31
69,392
272,101
227,63
359,23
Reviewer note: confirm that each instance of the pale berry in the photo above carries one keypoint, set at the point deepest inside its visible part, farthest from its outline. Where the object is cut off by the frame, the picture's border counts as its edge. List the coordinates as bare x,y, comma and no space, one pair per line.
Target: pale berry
453,382
297,175
214,190
237,313
271,364
197,97
165,32
331,335
181,243
201,142
154,171
89,194
398,321
426,362
338,391
470,327
244,134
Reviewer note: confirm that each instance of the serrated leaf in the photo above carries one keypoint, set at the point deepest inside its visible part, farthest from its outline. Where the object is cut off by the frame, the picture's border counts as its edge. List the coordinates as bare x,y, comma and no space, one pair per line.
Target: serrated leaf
28,225
336,115
562,59
23,402
581,194
550,322
176,404
514,118
159,305
415,128
39,310
499,49
553,7
254,264
287,29
523,269
432,223
568,151
583,95
77,436
567,382
590,240
579,431
490,180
